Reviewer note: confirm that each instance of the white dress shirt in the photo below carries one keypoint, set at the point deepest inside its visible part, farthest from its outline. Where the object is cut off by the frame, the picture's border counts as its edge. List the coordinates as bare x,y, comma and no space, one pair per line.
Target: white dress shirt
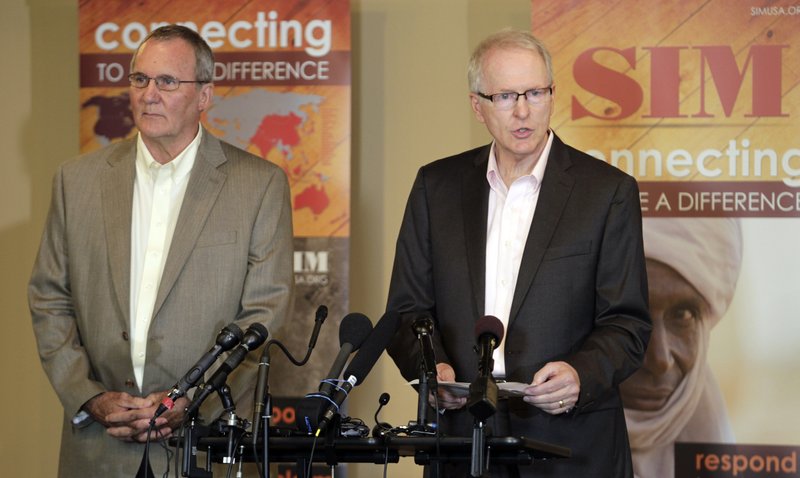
510,215
158,193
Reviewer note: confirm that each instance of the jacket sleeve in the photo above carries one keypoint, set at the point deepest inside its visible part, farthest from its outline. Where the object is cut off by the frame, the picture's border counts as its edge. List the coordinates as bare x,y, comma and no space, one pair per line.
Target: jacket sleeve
63,357
411,292
616,346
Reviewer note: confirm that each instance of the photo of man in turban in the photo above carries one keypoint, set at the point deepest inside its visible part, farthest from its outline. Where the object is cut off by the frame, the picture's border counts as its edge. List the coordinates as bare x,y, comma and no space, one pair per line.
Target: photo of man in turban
693,266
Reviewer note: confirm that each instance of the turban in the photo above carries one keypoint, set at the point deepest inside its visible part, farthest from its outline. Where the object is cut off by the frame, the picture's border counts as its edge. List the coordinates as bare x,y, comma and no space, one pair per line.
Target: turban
707,252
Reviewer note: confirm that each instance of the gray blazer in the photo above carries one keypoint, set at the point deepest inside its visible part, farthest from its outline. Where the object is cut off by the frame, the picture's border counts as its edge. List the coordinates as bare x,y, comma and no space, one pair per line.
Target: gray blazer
580,297
230,260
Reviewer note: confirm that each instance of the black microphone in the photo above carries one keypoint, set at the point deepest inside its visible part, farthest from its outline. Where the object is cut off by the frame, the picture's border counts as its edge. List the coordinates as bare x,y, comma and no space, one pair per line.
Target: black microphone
319,318
227,339
423,329
361,364
262,381
381,428
255,335
482,401
353,331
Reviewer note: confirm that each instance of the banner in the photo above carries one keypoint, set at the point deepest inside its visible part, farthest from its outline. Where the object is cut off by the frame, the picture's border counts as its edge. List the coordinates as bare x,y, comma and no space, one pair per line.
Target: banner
698,100
282,91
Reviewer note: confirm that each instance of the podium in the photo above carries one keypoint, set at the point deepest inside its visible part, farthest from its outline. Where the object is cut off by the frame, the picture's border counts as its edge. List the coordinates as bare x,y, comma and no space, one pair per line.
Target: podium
334,450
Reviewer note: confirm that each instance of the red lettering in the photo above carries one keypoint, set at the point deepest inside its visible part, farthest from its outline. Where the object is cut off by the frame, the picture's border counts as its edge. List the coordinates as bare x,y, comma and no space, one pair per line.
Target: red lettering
763,63
698,461
766,78
286,415
606,83
665,82
711,462
289,415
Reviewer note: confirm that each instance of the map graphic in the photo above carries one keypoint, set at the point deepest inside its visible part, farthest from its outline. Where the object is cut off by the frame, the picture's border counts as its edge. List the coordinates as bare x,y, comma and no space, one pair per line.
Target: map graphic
285,128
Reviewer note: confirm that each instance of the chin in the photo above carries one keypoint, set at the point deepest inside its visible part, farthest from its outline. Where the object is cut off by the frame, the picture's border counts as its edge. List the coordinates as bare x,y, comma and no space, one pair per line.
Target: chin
635,401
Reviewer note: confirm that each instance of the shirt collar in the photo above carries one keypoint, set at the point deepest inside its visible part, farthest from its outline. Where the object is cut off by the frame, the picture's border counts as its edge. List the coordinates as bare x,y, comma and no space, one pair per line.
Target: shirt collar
493,174
178,168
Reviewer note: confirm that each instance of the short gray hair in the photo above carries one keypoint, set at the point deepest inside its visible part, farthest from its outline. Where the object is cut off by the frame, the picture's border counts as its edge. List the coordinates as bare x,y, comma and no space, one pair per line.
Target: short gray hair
507,38
204,57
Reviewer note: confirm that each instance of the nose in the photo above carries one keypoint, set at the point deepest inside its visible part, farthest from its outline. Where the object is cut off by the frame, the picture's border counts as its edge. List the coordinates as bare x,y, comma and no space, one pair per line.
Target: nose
522,108
658,358
151,92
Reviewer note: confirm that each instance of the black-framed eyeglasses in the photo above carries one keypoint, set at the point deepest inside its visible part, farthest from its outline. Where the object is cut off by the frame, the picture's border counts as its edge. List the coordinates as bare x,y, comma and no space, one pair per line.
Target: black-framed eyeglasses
163,82
507,99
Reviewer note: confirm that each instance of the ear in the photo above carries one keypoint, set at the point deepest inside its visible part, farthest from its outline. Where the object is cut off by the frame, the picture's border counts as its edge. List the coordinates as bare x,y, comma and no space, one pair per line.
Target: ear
475,103
206,97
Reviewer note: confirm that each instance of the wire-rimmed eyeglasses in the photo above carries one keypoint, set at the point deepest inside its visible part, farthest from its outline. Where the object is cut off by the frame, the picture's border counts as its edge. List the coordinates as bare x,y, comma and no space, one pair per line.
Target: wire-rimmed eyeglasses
507,99
163,82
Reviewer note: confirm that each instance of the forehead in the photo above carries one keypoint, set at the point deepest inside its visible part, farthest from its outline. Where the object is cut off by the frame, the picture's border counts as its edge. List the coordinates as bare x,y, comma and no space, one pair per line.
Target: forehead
513,68
666,285
174,56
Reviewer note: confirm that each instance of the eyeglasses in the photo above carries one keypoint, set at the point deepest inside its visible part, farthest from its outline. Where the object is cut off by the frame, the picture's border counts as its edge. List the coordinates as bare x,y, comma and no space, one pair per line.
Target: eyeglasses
508,99
163,82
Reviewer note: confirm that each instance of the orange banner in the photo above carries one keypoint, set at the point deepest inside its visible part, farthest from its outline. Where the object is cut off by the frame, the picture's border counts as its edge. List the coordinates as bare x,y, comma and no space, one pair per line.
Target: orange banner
693,93
282,91
699,100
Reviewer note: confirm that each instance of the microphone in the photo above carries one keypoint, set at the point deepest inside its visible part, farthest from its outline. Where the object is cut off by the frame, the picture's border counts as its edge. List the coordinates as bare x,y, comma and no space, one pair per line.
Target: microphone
319,318
353,331
255,336
227,338
423,329
361,364
381,428
262,382
482,401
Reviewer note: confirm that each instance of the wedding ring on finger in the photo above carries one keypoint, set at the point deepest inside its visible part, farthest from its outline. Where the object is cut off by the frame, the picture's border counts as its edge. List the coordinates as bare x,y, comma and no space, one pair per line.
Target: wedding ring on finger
561,404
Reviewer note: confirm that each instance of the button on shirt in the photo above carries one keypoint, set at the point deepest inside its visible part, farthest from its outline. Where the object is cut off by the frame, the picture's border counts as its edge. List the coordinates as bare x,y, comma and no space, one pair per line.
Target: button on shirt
510,215
158,193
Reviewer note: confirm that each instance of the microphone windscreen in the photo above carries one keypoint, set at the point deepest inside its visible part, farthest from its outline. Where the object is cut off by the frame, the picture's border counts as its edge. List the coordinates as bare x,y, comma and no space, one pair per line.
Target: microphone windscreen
354,330
489,324
373,347
255,335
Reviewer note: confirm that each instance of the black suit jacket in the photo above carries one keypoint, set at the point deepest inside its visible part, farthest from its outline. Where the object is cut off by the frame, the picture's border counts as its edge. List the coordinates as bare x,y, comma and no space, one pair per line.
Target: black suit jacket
580,297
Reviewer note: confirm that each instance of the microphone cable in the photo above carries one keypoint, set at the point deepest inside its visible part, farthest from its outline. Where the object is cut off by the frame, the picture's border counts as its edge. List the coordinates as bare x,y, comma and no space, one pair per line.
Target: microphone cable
319,318
167,452
145,467
311,457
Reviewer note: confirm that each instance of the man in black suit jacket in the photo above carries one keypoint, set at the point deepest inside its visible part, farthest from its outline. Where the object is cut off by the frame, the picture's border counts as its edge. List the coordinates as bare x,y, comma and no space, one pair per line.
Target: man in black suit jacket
547,239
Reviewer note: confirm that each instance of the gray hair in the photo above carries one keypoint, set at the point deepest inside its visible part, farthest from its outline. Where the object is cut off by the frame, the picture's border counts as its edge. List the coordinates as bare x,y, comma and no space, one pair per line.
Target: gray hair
507,38
204,58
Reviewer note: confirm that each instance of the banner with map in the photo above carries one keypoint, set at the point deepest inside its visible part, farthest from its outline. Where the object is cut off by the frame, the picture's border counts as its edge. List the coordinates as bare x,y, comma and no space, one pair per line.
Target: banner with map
699,100
282,91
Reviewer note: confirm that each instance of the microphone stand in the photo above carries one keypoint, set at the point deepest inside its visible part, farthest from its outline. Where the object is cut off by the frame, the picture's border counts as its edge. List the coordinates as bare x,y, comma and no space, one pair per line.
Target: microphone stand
423,328
266,413
482,404
191,435
427,384
235,426
485,389
263,414
478,455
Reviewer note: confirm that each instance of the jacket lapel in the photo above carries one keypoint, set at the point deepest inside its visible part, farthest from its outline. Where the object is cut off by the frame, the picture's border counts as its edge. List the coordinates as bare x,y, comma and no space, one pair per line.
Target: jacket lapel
475,198
117,204
205,184
556,188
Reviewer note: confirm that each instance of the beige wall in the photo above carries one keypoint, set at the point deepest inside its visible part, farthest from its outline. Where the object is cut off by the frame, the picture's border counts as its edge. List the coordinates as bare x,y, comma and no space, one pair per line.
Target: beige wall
409,107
